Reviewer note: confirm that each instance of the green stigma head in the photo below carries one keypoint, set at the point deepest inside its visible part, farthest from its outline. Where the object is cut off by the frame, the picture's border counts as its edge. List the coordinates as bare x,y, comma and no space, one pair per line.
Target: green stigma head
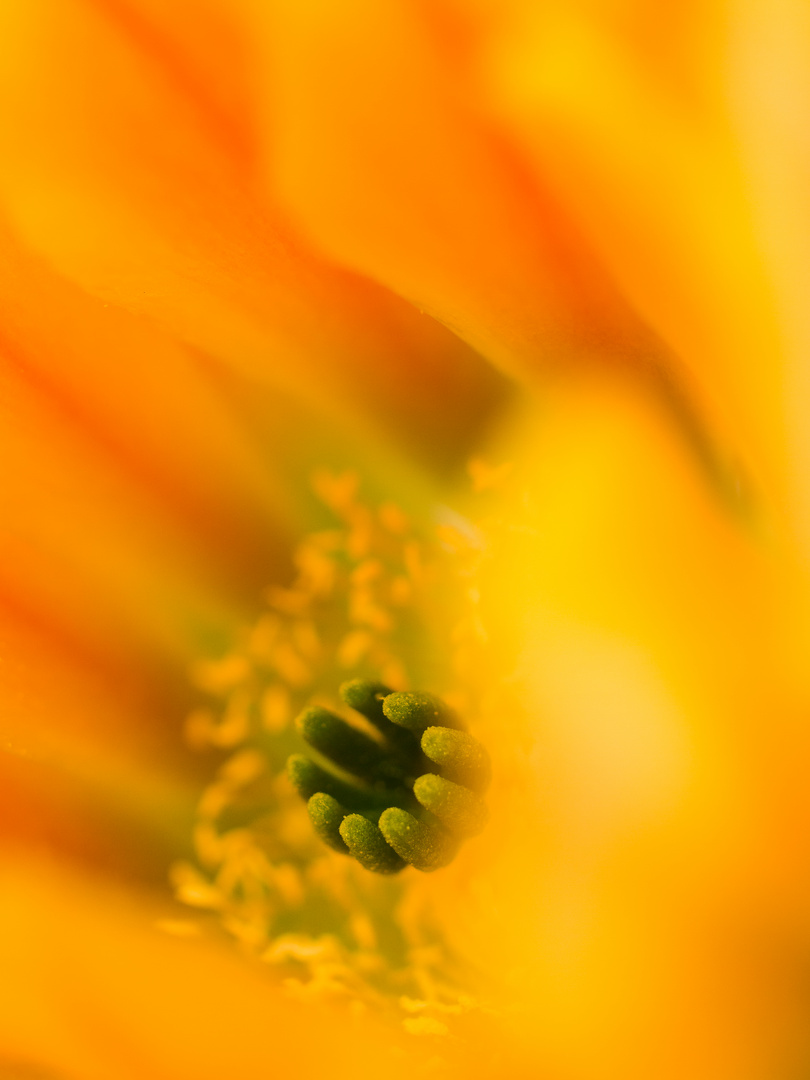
408,798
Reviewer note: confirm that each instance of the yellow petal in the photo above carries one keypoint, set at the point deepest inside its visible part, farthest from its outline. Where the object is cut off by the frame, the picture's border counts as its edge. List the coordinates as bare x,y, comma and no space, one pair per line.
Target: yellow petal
642,892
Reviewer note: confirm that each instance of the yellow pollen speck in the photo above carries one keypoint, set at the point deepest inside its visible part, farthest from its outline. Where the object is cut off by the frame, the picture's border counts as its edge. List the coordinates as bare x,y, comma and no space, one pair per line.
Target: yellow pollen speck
235,724
199,728
363,931
276,710
290,666
288,601
208,844
304,948
287,880
368,570
219,676
245,932
363,609
213,800
306,639
354,647
263,637
359,539
393,674
193,889
242,767
393,519
401,590
412,557
337,492
317,570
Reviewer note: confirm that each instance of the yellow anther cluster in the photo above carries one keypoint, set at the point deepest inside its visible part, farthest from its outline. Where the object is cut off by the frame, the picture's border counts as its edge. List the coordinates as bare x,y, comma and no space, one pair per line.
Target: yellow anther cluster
362,604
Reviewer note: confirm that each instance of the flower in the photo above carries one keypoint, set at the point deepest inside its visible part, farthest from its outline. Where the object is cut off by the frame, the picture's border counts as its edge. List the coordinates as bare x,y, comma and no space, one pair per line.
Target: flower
244,241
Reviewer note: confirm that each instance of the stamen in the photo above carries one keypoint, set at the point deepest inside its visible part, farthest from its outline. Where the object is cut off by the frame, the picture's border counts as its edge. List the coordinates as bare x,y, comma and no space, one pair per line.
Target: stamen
282,854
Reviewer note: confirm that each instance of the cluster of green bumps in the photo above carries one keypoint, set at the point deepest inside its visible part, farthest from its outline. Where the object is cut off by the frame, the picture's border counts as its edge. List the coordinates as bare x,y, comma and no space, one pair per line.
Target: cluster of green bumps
408,798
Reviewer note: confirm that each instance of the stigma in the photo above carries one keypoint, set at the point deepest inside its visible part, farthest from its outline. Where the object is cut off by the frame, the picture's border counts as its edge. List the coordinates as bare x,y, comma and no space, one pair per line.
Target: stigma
405,798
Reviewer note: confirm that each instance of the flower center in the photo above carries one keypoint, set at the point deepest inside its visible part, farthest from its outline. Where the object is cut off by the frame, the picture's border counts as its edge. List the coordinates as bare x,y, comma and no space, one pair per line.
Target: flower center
393,782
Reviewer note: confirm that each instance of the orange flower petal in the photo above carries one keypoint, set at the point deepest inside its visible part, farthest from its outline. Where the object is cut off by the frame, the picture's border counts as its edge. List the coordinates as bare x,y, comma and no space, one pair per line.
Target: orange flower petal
121,168
98,984
377,145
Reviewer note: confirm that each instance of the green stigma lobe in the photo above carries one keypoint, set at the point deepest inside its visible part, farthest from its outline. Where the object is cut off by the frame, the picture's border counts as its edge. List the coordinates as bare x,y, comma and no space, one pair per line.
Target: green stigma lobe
459,809
308,778
418,711
366,697
460,757
326,815
365,841
347,747
422,845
